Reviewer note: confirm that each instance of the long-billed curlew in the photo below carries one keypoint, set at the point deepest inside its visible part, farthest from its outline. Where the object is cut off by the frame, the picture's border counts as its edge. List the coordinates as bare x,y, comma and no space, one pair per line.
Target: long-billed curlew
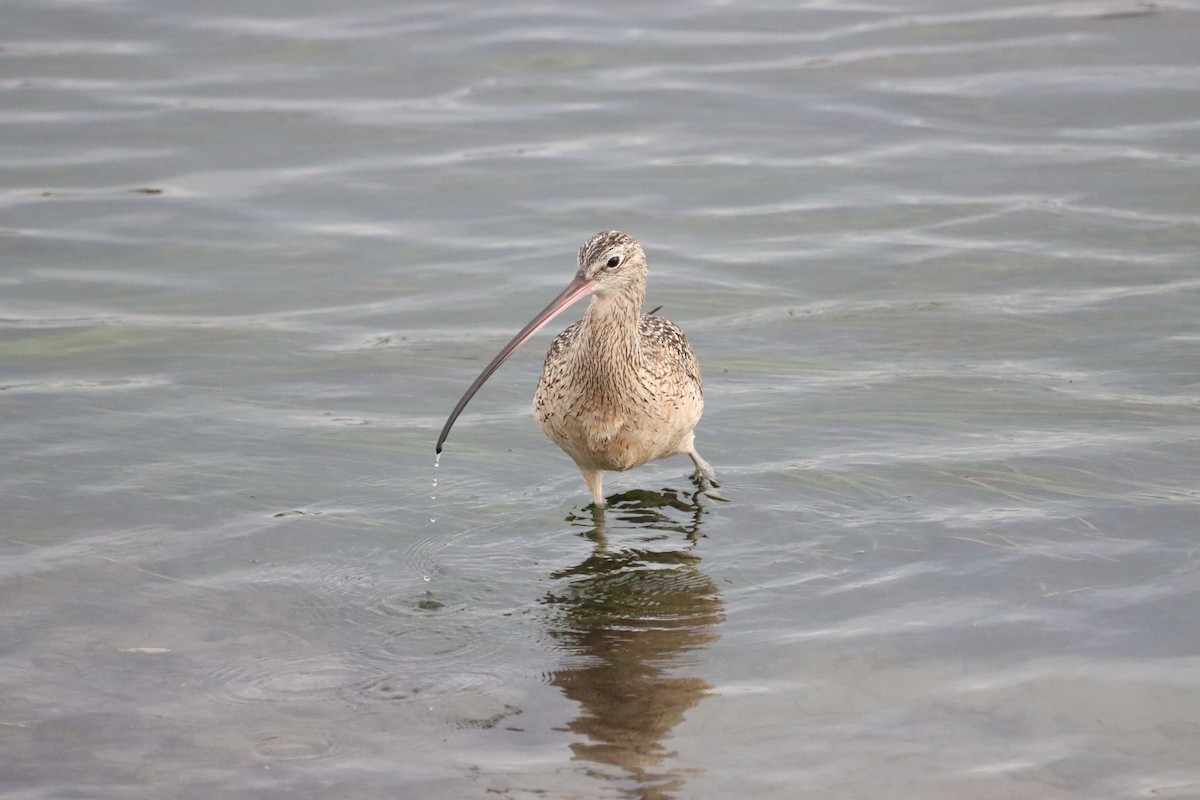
619,388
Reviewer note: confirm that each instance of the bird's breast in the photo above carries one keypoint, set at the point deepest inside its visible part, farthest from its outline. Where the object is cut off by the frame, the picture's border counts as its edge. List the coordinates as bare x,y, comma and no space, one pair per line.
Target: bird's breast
602,431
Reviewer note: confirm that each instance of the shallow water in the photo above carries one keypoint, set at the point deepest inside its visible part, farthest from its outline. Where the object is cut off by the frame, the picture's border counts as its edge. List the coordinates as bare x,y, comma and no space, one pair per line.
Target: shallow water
939,263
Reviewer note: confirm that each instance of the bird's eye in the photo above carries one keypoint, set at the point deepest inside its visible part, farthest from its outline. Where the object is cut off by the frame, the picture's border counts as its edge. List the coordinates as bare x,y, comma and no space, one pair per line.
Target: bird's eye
613,262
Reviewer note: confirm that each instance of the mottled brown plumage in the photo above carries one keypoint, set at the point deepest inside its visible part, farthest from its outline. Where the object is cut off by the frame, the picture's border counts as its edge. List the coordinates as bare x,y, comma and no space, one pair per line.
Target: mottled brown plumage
619,388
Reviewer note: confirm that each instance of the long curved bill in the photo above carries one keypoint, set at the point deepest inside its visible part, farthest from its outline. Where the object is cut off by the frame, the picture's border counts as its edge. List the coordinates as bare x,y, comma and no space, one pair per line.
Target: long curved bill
578,287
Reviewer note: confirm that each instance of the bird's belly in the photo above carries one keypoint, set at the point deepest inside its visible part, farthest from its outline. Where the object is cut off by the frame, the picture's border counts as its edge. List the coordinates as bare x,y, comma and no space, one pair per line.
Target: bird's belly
598,436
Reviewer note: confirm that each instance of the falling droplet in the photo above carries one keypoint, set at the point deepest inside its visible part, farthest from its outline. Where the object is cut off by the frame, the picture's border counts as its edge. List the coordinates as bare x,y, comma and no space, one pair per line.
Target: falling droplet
437,460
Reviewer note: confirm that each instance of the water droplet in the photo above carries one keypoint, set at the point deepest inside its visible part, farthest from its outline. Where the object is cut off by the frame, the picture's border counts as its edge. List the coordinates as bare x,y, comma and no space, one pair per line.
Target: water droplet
436,460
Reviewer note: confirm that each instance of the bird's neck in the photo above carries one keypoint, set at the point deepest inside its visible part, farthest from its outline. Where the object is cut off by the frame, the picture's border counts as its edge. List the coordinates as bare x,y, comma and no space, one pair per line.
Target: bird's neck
609,340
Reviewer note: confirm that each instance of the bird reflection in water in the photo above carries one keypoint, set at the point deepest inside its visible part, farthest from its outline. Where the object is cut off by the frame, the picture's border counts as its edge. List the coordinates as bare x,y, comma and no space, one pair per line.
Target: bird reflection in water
628,617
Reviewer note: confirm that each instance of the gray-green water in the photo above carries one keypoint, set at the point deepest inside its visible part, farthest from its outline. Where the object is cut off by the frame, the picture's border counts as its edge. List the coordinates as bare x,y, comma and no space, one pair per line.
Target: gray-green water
941,265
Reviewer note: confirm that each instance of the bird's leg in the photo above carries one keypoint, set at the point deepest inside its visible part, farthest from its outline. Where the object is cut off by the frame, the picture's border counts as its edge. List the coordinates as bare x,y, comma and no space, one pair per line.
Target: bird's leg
704,471
595,481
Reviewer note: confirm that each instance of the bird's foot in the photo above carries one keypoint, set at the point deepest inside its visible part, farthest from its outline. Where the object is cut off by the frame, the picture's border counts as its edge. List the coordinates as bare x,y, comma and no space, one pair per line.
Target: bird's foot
707,485
704,472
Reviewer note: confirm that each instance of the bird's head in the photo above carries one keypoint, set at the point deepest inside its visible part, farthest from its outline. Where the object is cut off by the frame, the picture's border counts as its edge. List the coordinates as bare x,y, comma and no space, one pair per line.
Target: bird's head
614,262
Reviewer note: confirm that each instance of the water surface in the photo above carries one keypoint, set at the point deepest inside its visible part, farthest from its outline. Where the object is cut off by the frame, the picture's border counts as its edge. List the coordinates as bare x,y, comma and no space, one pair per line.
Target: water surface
938,261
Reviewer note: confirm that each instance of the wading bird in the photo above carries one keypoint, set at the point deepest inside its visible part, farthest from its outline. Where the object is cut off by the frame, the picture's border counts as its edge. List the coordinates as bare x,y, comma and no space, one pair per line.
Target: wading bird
619,388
